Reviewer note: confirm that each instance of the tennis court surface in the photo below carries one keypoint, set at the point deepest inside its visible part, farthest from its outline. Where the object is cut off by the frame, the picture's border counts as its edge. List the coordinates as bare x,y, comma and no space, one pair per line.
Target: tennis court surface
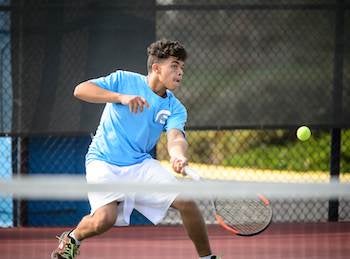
283,240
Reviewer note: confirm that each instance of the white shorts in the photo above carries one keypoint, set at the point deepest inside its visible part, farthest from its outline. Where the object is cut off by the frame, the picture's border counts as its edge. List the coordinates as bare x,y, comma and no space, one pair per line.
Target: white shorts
153,206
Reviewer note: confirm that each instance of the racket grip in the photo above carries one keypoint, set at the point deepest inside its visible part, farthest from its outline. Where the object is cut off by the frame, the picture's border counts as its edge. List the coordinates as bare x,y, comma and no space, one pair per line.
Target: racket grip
192,173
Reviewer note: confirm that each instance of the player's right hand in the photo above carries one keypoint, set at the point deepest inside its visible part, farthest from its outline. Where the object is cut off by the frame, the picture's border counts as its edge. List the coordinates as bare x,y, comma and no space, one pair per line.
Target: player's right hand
135,103
178,164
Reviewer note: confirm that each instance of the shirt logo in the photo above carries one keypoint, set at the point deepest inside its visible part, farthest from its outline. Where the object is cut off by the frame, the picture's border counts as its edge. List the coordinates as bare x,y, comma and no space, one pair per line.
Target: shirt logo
162,116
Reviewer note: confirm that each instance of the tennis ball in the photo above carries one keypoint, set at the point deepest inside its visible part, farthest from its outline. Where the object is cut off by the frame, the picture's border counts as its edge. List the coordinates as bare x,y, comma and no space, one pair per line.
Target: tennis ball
303,133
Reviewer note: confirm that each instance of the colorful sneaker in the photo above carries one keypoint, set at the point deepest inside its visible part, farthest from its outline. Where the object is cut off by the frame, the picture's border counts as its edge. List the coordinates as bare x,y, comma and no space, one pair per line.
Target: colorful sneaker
67,248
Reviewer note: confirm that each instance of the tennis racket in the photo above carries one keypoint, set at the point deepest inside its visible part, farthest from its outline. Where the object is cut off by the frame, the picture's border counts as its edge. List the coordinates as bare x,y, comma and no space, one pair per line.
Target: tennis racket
238,215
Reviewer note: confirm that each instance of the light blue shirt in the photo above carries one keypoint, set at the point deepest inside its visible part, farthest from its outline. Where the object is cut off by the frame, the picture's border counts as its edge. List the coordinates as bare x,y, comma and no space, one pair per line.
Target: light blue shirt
125,138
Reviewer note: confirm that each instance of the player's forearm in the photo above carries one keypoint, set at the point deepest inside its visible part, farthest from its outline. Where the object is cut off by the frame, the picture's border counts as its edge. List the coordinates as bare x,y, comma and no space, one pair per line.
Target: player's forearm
177,147
92,93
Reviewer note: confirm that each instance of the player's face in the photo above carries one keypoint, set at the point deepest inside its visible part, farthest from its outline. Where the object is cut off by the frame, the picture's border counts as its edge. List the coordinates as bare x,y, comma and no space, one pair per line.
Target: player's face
171,72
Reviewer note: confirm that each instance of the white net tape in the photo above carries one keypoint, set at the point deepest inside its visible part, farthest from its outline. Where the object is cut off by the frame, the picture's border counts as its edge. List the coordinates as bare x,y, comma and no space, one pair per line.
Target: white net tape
75,187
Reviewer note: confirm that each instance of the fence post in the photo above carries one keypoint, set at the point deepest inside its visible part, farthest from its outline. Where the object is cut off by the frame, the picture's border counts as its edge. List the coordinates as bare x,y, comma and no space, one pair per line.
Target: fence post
337,115
19,167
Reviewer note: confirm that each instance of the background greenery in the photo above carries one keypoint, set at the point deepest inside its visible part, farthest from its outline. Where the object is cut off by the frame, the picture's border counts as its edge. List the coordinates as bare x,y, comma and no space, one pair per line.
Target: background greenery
263,149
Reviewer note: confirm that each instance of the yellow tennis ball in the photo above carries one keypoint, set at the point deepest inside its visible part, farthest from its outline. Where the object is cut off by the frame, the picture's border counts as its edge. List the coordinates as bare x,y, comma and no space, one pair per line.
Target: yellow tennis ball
303,133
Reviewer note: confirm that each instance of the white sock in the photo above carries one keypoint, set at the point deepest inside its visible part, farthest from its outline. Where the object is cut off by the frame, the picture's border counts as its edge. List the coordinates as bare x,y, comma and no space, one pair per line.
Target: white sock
71,234
206,257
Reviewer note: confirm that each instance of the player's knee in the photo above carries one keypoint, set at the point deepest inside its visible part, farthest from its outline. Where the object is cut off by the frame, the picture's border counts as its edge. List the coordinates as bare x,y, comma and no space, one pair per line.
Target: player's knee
102,222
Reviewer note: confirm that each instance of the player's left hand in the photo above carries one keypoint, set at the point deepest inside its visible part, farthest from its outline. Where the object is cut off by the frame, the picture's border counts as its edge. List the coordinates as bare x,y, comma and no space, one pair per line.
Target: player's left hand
178,164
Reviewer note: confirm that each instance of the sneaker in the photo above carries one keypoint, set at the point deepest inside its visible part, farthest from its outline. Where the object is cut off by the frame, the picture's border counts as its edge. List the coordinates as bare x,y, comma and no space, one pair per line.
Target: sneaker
67,248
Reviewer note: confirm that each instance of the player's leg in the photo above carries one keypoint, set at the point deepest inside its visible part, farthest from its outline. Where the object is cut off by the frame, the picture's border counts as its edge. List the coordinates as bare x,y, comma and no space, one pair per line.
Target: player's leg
91,225
103,212
194,224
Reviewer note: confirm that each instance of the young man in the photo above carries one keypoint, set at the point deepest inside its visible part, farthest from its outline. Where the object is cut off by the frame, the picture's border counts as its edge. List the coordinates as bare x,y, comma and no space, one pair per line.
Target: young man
138,109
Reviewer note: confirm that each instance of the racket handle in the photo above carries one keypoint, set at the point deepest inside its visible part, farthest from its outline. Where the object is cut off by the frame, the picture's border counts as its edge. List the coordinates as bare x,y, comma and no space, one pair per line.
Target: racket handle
192,173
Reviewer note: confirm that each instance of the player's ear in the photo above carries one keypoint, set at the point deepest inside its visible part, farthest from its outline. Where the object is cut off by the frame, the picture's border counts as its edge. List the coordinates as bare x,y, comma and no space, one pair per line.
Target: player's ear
156,68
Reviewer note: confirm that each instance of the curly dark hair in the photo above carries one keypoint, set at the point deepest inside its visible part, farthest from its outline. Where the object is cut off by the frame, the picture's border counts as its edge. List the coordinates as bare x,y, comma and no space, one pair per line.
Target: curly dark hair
163,49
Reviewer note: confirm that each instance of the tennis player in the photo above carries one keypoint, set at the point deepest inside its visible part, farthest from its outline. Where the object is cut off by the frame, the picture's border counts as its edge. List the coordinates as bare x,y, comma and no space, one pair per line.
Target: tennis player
138,109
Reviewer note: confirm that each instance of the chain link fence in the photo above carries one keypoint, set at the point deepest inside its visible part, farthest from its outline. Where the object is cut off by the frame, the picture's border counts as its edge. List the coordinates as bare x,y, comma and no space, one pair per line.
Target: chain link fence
270,155
256,71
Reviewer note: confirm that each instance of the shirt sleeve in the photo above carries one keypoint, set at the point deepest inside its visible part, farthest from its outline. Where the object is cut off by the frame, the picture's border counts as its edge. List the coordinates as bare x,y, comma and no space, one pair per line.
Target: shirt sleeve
178,117
110,82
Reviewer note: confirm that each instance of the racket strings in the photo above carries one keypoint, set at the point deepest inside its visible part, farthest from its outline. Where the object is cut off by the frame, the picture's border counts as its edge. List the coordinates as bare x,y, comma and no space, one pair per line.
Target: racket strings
244,215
